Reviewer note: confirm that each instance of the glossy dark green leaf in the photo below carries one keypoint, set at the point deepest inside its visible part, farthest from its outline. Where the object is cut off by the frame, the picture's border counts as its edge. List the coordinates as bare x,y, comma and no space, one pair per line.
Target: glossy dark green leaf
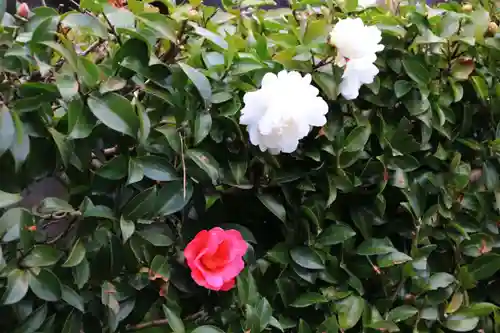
205,162
374,246
17,287
202,126
199,80
350,311
41,256
416,69
309,299
461,323
481,87
34,321
157,235
45,285
173,196
76,255
7,199
335,234
402,87
357,138
115,112
174,321
7,130
440,280
157,168
207,329
127,228
274,206
401,313
72,298
306,257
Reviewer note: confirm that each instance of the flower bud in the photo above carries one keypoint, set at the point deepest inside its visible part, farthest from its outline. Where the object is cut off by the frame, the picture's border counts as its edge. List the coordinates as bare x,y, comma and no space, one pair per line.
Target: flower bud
23,10
193,14
492,28
467,8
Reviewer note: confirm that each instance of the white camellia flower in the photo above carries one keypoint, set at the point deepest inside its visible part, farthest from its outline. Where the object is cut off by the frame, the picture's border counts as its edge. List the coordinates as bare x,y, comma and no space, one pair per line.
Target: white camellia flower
282,111
357,72
357,45
367,3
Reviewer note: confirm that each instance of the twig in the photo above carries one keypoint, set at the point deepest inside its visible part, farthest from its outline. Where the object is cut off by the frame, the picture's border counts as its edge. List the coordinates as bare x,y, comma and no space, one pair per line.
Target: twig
149,324
322,63
184,181
174,49
113,30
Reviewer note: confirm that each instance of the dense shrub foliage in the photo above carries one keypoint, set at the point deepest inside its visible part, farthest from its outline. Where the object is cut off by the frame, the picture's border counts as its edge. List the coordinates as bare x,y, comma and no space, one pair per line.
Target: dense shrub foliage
361,183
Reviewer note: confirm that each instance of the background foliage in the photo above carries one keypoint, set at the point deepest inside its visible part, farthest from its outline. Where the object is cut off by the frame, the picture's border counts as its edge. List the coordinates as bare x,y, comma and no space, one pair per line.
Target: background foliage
384,220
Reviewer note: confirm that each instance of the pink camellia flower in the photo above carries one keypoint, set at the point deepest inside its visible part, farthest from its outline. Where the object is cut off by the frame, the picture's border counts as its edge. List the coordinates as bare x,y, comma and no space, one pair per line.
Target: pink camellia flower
216,257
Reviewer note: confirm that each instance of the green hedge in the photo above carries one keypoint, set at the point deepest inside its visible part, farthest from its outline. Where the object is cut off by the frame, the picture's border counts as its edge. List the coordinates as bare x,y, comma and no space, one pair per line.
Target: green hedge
126,135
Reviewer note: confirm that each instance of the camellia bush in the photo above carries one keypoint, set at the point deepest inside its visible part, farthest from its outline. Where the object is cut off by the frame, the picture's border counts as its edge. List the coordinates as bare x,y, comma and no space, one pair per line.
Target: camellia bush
328,167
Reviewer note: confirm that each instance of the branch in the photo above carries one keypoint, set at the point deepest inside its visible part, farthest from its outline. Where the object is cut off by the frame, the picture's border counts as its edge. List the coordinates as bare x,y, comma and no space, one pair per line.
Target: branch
149,324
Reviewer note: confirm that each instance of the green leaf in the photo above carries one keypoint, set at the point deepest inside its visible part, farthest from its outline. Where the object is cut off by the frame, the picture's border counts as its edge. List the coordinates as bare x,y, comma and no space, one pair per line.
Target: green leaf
481,309
17,287
112,84
485,266
41,256
79,120
157,168
7,199
357,138
440,280
114,169
309,299
7,128
417,69
160,266
85,23
173,197
46,285
350,310
481,87
211,36
174,321
199,80
72,298
34,321
115,112
402,87
135,172
401,313
273,205
264,313
157,235
160,24
335,234
461,323
81,273
392,259
202,126
307,258
3,8
142,206
12,221
207,329
64,146
76,255
375,246
127,228
206,162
